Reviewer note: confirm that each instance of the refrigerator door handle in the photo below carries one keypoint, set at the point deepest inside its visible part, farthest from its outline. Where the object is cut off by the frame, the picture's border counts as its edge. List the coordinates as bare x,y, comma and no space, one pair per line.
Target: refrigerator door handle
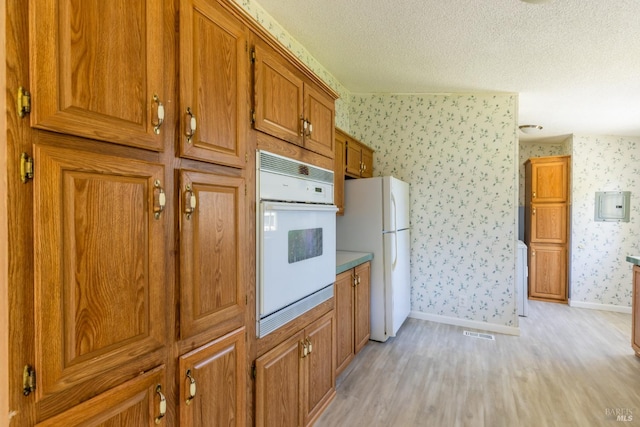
395,257
394,225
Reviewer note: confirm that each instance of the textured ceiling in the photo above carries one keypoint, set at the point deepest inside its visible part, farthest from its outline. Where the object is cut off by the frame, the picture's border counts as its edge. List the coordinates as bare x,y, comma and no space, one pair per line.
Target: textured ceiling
574,63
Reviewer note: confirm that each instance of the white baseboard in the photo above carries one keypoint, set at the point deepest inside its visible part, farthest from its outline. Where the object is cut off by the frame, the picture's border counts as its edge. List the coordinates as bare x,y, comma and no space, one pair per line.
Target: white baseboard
596,306
474,324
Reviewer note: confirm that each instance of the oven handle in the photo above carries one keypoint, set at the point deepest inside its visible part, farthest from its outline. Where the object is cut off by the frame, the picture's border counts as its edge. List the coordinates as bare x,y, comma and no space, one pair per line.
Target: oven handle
307,207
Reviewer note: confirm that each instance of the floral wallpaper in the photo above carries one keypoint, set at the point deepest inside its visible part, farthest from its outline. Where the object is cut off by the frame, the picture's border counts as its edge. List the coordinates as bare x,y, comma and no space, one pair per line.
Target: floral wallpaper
271,25
599,271
459,153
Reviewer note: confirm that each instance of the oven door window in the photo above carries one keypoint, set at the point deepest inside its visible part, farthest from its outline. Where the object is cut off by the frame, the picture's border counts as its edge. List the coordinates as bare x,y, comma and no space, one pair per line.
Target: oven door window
304,244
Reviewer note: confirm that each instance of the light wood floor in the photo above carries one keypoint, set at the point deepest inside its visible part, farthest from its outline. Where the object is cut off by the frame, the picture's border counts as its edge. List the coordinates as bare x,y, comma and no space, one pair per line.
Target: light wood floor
569,367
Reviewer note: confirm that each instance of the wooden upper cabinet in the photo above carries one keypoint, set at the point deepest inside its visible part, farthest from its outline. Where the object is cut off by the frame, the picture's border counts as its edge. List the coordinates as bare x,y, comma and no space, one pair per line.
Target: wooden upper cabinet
358,158
212,236
549,179
320,116
99,240
97,70
278,97
213,84
288,106
367,162
213,383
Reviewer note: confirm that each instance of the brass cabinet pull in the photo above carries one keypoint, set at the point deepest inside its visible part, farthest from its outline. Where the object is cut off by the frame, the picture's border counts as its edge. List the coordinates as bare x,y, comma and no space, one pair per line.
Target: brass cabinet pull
355,280
303,127
161,200
190,201
533,212
310,128
533,253
160,114
305,349
163,404
191,125
192,387
534,195
309,345
358,278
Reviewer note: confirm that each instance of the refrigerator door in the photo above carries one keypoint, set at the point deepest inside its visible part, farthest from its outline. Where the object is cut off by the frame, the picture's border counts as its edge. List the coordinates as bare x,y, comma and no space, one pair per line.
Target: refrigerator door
397,280
395,204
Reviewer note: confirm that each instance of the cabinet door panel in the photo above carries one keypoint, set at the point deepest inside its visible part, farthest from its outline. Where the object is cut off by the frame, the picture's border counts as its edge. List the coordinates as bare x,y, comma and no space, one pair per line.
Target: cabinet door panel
278,98
134,403
367,162
362,306
99,277
548,272
211,253
354,159
95,68
278,390
549,223
320,372
320,112
344,309
549,181
217,370
213,70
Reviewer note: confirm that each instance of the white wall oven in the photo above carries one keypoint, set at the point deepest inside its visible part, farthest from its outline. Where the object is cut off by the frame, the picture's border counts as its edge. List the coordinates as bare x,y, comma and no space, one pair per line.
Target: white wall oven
296,239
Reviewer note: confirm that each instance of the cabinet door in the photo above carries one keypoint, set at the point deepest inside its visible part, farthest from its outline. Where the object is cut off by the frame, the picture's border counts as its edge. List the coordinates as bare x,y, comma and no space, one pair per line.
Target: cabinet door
320,370
344,309
278,97
100,273
213,83
319,111
96,66
549,223
367,162
548,272
212,236
134,403
635,325
362,303
212,390
550,181
338,175
278,391
354,159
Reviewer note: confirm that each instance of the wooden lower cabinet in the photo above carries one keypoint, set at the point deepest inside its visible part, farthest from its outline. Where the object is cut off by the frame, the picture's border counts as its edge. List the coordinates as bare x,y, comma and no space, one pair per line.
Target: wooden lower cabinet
138,402
212,387
635,325
548,272
352,294
295,381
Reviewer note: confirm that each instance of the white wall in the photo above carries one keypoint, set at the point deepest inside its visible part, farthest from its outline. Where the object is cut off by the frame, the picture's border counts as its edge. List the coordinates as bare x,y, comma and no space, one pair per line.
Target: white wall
599,273
459,153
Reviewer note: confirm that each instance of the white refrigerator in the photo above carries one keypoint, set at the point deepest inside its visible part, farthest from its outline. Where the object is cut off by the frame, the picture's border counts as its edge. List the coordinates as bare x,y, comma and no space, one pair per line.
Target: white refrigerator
376,219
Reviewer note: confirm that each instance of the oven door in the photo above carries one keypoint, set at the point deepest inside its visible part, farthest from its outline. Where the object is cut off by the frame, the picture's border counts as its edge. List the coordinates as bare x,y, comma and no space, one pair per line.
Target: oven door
297,244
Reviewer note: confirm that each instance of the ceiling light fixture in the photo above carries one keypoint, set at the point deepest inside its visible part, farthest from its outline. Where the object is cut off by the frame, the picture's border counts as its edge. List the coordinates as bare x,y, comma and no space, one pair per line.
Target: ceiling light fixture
530,129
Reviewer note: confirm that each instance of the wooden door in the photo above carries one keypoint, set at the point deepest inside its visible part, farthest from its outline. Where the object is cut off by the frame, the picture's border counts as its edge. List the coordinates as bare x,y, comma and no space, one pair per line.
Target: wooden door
134,403
212,236
549,180
320,370
367,162
338,175
548,272
97,69
212,389
344,310
549,223
213,84
362,296
278,391
278,93
319,111
354,159
635,306
100,303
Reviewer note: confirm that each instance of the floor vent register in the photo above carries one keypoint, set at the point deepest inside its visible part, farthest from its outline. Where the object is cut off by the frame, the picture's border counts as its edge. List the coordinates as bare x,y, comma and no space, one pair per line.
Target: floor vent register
479,335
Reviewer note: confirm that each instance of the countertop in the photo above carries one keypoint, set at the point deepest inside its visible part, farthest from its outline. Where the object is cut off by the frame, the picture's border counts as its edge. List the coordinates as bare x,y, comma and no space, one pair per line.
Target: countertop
634,259
346,260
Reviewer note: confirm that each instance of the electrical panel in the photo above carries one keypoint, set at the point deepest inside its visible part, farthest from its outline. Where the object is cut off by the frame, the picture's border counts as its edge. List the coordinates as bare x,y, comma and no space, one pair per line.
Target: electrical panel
612,206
